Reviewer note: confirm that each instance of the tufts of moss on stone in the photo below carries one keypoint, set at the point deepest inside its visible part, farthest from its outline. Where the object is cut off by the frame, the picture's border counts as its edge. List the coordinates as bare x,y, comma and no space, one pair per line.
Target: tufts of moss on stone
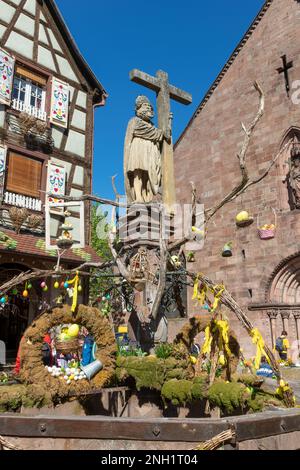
229,396
151,372
181,392
178,392
13,397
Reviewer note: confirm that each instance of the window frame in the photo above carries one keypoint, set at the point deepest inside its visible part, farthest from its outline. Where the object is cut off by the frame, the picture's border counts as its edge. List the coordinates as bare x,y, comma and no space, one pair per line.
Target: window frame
20,62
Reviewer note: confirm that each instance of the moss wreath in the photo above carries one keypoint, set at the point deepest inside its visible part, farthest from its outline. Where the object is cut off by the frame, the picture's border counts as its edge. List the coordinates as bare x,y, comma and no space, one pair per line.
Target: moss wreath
33,370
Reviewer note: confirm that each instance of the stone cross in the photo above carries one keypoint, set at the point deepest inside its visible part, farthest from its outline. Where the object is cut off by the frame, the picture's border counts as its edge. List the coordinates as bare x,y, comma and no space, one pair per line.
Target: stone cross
164,92
285,70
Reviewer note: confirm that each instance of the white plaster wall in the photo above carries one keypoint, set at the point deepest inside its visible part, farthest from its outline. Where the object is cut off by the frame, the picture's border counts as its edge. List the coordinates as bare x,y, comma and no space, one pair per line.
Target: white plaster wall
79,176
76,143
76,224
16,2
25,24
81,99
57,135
66,69
72,90
42,35
55,43
2,30
79,119
20,44
2,115
7,12
42,17
30,6
53,227
45,58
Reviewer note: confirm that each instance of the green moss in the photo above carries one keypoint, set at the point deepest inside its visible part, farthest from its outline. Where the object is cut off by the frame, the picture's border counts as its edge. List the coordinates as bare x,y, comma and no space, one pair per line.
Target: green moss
179,392
229,396
199,388
152,372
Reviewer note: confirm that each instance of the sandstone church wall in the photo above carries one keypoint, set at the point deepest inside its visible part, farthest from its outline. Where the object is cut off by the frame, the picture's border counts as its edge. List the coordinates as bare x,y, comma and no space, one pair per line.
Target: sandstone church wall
206,154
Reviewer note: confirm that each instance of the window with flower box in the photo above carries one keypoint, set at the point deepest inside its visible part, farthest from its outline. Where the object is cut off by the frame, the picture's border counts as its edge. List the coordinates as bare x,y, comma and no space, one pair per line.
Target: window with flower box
29,93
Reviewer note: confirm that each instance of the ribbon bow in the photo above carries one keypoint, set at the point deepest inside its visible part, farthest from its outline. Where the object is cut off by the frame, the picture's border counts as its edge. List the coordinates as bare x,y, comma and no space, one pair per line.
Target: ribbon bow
74,282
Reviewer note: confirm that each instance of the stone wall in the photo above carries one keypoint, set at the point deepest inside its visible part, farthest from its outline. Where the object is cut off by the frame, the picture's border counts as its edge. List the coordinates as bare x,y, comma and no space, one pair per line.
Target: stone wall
206,154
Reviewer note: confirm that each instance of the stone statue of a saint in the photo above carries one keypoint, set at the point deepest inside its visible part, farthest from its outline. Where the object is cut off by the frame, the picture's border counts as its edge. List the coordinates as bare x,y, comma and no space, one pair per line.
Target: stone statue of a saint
142,154
295,180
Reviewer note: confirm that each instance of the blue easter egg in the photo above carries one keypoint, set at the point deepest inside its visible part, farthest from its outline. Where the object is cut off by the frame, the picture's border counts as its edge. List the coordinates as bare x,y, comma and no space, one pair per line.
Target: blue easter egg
3,300
66,285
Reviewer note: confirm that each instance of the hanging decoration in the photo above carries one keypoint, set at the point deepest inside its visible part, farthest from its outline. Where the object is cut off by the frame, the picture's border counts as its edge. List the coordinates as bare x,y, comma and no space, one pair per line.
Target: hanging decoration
267,231
227,250
201,291
75,283
7,64
59,103
243,219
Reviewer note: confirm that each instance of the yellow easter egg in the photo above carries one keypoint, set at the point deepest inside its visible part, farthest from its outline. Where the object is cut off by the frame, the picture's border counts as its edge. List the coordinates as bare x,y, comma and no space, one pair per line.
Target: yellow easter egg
73,331
193,360
242,216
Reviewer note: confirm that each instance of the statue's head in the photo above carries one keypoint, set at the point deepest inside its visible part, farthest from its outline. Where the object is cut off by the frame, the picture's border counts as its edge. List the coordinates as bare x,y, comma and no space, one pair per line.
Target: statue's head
143,108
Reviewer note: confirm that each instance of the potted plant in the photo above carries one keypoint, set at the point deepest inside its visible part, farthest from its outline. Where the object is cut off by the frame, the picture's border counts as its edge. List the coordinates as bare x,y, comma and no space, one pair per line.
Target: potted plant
190,257
227,250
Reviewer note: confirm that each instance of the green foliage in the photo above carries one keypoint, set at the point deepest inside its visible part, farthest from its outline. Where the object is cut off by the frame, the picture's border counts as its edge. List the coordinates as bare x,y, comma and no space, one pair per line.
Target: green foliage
130,352
151,372
229,396
164,350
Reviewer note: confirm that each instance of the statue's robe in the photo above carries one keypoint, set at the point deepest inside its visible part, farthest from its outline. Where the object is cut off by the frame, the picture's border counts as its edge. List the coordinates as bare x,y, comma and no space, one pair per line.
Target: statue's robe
142,152
295,182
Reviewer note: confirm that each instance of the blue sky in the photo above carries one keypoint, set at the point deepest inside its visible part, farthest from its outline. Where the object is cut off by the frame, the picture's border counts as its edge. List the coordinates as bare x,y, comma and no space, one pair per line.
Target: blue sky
190,40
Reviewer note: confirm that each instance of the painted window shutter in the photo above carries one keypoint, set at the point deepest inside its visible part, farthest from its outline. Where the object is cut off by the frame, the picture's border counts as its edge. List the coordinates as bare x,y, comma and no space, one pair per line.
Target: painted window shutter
56,183
3,152
60,98
7,65
24,175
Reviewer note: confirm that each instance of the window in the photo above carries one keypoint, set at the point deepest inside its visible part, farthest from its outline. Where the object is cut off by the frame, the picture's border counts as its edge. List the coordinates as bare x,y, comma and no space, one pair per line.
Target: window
24,175
29,93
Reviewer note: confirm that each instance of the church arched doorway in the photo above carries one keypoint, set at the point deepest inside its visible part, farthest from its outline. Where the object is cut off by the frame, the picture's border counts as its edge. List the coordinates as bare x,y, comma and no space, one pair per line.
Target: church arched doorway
284,295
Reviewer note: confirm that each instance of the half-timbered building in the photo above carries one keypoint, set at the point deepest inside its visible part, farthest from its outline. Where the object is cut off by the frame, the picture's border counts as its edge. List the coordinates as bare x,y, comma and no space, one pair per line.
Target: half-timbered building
47,98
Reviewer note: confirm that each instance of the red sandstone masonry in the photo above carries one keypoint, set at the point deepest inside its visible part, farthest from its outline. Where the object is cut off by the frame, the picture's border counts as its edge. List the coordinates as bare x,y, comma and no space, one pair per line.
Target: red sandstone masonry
207,155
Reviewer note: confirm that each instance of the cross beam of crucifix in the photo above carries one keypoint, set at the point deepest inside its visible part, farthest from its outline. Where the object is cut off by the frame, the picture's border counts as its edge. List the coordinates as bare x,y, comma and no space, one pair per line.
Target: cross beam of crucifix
164,93
285,70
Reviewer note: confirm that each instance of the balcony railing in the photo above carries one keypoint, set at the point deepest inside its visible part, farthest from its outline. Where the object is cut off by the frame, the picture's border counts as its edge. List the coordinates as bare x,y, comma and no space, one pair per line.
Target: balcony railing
31,110
27,202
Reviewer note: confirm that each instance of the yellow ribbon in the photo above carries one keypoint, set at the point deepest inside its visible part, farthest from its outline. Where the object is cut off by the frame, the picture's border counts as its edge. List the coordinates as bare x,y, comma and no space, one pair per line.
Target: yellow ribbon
199,296
223,328
217,299
208,341
260,344
75,282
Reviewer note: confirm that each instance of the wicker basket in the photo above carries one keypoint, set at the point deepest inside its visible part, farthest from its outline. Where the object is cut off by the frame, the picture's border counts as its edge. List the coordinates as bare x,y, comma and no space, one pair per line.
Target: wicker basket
67,346
267,234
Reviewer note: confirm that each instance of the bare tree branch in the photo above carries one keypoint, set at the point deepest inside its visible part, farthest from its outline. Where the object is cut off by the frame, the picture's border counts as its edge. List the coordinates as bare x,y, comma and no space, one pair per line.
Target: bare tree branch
242,156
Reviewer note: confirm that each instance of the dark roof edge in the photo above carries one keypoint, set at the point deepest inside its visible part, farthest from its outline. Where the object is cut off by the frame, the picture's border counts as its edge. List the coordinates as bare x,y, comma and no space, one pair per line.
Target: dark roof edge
229,62
80,61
